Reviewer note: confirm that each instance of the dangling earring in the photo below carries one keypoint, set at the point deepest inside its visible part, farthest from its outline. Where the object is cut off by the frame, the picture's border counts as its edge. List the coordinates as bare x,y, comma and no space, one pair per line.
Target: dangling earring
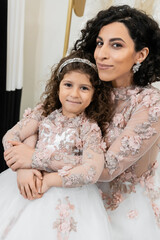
136,67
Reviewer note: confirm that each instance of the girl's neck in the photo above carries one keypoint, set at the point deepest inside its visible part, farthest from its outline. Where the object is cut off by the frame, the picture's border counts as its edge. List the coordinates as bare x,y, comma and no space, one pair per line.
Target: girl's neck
70,115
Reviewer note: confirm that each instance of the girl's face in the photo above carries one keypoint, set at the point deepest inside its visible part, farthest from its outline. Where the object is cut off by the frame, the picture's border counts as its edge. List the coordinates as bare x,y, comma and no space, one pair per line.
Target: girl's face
115,54
75,93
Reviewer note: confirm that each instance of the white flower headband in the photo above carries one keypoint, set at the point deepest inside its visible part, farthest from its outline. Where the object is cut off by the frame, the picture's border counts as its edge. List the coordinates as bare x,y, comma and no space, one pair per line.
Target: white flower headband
80,60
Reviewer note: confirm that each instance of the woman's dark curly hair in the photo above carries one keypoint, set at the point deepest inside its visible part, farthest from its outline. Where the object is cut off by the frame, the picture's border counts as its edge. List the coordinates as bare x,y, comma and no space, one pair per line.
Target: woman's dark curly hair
99,109
144,31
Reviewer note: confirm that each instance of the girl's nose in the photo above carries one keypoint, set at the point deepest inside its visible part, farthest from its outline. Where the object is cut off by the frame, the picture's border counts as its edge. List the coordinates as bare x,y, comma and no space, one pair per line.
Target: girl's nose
75,92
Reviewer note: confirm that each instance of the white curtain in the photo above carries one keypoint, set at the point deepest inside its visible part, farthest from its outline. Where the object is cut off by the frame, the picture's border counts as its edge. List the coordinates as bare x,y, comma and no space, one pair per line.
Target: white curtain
15,40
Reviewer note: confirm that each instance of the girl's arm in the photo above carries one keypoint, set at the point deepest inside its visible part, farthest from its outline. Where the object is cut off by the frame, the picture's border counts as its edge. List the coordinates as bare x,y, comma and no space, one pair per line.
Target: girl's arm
140,134
23,130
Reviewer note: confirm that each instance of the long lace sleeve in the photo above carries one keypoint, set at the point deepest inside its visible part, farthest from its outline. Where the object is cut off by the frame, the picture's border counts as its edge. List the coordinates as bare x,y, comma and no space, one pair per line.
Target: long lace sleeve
89,170
25,128
141,132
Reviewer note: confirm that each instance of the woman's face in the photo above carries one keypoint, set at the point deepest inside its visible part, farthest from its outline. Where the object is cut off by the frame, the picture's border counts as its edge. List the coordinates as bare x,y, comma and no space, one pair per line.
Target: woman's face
115,54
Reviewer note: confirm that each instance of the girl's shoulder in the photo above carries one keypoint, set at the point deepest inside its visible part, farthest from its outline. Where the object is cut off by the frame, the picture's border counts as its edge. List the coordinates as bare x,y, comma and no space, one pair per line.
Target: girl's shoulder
89,125
35,113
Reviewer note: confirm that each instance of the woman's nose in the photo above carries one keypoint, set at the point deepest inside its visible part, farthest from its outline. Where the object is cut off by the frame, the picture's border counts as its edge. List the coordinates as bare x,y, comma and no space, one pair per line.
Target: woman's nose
103,52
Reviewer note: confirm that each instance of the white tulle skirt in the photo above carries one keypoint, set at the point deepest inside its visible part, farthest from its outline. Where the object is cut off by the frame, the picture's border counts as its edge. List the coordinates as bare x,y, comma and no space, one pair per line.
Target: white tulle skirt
61,214
134,219
137,216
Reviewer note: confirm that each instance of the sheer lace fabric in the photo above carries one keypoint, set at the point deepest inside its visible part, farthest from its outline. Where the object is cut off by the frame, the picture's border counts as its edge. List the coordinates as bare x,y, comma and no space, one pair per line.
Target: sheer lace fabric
134,131
63,143
25,130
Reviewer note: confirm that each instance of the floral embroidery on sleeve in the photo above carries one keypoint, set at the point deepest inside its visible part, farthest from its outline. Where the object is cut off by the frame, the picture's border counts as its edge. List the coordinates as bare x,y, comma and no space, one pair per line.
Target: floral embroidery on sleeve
111,162
92,138
154,113
145,130
21,131
130,145
77,180
65,223
35,114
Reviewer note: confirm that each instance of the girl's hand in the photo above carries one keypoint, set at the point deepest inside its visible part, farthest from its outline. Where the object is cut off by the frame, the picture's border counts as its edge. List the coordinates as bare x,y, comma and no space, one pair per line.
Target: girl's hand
18,156
29,183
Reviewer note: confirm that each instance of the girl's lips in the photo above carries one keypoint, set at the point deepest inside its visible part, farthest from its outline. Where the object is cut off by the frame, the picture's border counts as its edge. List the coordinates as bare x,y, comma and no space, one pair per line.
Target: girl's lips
73,102
103,66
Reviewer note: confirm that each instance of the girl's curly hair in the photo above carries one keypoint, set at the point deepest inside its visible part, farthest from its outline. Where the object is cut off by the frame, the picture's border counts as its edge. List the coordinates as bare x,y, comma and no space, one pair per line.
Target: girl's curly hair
144,31
99,109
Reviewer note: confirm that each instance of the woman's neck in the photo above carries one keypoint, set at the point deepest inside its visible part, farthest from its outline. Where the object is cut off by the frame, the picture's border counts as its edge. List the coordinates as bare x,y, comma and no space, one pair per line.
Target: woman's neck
122,83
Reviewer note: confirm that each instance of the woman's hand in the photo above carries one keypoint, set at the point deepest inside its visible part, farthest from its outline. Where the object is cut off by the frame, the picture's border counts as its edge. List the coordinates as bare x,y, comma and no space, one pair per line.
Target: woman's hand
29,183
45,182
18,156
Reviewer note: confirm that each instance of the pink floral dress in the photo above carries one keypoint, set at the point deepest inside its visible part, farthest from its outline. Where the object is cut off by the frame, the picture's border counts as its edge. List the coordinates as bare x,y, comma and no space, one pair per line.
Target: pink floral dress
132,194
73,147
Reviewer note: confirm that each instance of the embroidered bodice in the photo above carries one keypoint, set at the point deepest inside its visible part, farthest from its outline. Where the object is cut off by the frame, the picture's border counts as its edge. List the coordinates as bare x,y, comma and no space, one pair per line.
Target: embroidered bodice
63,143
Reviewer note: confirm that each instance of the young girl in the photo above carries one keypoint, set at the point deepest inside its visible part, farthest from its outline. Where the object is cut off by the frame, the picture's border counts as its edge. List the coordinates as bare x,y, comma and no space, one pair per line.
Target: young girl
69,151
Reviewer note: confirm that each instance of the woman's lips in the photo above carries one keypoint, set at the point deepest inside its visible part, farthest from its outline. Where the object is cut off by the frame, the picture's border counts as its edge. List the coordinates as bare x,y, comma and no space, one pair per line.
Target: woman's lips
104,66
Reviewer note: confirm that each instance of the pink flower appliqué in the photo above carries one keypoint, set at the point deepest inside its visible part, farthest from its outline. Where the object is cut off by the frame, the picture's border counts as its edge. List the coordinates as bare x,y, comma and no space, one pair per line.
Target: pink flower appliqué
150,100
119,120
156,209
131,144
135,99
27,112
117,198
133,91
132,214
154,113
145,130
65,223
149,182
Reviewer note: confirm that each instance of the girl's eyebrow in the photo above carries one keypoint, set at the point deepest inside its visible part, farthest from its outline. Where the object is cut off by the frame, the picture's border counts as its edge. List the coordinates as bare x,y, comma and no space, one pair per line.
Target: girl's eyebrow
112,39
86,85
67,80
82,84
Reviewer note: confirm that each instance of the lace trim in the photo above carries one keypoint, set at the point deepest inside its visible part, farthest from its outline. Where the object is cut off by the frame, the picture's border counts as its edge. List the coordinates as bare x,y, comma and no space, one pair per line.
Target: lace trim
78,180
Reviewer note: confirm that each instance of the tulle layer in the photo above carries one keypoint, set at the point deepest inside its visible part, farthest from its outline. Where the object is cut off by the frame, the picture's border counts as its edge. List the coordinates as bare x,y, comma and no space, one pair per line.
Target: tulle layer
61,214
134,219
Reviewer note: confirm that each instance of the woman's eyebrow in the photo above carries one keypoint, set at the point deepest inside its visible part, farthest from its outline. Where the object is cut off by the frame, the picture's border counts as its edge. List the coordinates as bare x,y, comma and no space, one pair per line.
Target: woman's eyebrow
115,39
